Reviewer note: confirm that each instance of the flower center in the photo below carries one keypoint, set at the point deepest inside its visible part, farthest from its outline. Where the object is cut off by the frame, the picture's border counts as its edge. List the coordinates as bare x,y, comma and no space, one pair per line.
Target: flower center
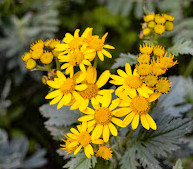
158,69
103,115
150,80
96,44
144,69
75,43
133,81
76,58
84,138
104,152
90,92
163,86
68,86
140,104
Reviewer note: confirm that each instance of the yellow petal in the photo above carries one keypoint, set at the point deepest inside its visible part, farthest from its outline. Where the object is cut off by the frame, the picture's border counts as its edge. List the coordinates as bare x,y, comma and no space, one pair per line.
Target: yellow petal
135,121
84,105
98,141
82,67
87,151
106,133
91,74
61,47
86,118
154,97
68,37
127,120
122,73
88,111
104,37
97,132
53,84
53,94
103,79
65,65
73,144
119,80
106,53
114,104
81,77
73,136
86,62
76,33
81,87
128,69
122,112
91,123
77,150
100,55
106,100
151,122
113,129
109,47
144,122
56,99
74,131
95,103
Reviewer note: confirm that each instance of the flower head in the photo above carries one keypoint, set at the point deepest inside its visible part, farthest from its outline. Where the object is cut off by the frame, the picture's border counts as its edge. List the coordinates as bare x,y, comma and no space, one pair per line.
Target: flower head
158,50
37,45
168,17
104,152
26,56
163,85
159,19
30,64
143,58
149,17
169,26
47,57
159,29
146,49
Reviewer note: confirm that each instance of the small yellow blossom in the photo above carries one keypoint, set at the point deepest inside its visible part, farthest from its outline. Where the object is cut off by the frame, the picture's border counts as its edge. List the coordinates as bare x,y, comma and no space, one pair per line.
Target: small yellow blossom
151,24
143,69
169,26
67,142
30,64
163,85
104,152
37,53
103,117
37,45
167,60
81,138
149,17
143,58
51,43
47,57
26,56
158,68
168,17
146,31
146,49
150,80
158,50
159,29
159,19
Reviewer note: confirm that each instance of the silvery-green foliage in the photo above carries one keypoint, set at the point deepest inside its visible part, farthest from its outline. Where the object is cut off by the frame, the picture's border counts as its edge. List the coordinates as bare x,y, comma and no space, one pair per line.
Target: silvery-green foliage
4,102
80,161
181,47
59,120
178,165
12,154
123,59
174,102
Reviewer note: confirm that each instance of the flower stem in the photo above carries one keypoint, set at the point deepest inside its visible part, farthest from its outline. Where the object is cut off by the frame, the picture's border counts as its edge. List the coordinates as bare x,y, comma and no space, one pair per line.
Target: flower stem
95,62
118,142
57,64
128,137
42,68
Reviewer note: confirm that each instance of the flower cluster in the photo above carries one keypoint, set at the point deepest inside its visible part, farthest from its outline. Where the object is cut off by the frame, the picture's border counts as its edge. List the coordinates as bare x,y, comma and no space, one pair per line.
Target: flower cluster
80,85
157,23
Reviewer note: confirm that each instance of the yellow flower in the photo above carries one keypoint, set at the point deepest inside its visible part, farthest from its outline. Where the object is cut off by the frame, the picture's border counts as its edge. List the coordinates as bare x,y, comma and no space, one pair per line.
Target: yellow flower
51,43
143,58
159,29
130,82
168,17
158,50
143,69
30,64
146,31
158,68
102,116
169,26
104,152
150,80
151,24
81,138
159,19
167,61
149,17
66,147
26,56
78,57
66,88
46,58
137,108
163,85
98,45
37,53
37,45
93,92
146,49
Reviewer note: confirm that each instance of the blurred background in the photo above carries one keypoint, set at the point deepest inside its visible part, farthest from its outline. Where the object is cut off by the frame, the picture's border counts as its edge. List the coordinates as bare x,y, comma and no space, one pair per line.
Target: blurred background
24,141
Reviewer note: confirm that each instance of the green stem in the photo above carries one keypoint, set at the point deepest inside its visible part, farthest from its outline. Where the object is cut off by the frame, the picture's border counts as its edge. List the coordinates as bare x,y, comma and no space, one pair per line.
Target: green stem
116,153
95,62
48,67
57,64
118,142
189,68
42,68
128,137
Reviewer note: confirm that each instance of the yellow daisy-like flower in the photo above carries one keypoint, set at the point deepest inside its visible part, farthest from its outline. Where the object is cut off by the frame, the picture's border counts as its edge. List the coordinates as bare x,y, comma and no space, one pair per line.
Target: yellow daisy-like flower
146,31
158,50
37,45
168,17
26,56
149,17
143,58
30,64
66,147
103,117
159,29
47,57
158,68
146,49
98,45
167,61
93,92
150,80
159,19
37,53
71,42
82,138
163,85
137,108
51,43
151,24
66,88
143,69
104,152
169,26
78,57
130,82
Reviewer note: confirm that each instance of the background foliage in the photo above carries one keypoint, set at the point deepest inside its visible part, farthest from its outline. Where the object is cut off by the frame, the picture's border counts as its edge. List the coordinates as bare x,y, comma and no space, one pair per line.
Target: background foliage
21,91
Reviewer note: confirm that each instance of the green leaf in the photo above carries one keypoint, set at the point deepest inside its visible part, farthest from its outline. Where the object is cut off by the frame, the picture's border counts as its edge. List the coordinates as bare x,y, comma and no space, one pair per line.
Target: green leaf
178,165
80,161
123,59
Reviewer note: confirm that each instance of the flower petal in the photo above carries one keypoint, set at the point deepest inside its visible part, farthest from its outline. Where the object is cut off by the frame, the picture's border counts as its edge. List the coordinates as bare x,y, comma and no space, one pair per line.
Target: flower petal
103,79
113,129
117,121
144,122
97,132
86,118
106,133
151,122
127,120
135,121
53,94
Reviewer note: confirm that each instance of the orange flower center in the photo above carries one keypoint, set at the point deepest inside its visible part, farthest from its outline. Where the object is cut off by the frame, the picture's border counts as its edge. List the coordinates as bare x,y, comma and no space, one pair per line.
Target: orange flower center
133,81
76,58
68,86
103,115
140,105
84,138
96,44
90,92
